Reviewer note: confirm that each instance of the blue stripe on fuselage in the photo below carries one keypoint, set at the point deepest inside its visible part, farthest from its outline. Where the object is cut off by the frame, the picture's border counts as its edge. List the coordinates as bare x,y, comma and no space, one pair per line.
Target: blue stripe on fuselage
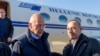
53,26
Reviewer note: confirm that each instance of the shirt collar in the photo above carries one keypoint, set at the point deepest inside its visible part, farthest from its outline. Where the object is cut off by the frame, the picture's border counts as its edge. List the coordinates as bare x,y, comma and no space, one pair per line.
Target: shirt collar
34,36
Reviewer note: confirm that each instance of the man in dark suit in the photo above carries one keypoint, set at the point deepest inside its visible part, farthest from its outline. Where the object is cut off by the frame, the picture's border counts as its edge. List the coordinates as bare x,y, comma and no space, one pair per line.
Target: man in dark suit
80,44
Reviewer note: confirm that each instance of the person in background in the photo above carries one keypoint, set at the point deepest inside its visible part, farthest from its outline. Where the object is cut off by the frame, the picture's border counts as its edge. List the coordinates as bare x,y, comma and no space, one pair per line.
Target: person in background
80,44
34,42
6,28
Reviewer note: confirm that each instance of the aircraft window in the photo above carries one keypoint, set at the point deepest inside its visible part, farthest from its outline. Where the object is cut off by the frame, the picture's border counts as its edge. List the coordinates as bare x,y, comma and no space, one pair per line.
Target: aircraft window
98,22
62,19
45,16
78,19
89,21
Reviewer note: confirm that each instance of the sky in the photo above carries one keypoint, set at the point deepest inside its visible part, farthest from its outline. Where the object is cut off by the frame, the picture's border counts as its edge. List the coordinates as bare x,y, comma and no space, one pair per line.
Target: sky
85,6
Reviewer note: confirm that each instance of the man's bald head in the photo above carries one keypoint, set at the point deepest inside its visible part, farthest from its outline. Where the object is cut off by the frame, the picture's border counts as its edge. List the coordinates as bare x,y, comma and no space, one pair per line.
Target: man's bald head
36,24
35,17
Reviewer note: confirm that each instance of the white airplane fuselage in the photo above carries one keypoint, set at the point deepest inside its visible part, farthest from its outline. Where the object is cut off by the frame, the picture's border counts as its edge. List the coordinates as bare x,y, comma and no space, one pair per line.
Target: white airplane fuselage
56,20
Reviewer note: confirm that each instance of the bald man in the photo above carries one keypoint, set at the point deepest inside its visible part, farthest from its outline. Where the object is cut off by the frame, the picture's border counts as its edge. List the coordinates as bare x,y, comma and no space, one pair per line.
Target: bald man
34,41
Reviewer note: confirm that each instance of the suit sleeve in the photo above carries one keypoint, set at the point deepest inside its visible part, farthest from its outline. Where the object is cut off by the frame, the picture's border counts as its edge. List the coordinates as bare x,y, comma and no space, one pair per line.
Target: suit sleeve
11,29
66,50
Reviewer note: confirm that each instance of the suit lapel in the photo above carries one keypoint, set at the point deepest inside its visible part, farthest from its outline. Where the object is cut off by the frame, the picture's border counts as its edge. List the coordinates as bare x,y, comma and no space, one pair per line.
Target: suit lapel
82,49
80,46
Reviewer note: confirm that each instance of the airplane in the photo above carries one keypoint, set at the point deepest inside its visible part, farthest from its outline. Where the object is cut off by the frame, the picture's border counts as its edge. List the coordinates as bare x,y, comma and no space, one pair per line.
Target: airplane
56,20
